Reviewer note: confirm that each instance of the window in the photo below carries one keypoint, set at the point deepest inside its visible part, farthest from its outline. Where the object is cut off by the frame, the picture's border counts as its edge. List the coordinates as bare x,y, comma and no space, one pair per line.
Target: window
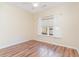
49,26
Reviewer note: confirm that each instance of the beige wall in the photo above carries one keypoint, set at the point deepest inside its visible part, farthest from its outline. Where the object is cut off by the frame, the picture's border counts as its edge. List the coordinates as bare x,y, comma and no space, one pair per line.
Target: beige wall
16,25
68,16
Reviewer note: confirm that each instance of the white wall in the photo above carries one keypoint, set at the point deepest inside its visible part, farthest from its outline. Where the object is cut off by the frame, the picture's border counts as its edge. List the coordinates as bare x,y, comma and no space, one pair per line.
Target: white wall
68,17
16,25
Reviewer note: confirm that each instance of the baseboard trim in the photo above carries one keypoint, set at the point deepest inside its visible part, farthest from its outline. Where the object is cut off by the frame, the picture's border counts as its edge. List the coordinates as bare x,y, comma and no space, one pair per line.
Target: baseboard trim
13,44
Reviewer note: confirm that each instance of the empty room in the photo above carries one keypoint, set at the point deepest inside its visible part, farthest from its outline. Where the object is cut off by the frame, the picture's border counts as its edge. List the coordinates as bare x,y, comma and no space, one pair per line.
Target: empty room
39,29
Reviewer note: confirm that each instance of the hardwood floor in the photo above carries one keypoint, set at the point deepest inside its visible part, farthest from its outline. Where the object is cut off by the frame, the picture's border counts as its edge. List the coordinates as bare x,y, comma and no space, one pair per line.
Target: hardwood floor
34,48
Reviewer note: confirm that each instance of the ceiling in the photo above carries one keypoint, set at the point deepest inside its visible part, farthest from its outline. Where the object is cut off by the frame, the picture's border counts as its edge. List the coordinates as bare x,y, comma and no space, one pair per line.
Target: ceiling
42,5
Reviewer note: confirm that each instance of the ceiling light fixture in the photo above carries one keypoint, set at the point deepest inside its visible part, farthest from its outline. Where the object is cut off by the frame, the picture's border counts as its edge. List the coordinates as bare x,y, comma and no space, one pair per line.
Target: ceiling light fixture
35,4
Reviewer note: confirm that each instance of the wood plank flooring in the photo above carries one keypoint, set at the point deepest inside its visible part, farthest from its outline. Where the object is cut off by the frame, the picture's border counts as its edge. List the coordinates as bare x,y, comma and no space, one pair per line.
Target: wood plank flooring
34,48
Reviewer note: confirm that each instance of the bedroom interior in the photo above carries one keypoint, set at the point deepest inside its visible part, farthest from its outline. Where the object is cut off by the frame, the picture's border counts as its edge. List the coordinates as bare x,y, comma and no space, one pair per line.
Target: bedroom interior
28,29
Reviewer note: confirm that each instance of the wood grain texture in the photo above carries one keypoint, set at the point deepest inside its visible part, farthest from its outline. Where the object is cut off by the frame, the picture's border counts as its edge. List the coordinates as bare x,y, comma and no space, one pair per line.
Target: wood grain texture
35,48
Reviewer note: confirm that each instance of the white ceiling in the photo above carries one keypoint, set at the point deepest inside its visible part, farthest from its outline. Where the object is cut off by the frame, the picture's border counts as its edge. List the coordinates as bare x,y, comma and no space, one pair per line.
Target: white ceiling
42,5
